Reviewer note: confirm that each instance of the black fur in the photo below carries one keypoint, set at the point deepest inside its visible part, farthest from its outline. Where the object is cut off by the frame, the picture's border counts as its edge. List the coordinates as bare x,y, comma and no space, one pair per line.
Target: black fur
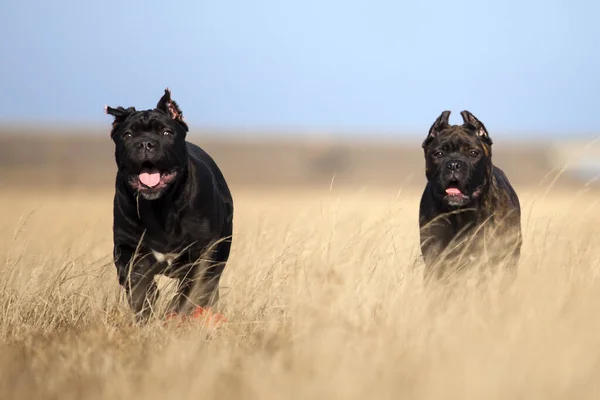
468,208
189,213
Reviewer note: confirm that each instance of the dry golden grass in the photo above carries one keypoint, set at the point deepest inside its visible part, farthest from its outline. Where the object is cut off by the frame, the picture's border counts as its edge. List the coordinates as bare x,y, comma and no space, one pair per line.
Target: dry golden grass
324,298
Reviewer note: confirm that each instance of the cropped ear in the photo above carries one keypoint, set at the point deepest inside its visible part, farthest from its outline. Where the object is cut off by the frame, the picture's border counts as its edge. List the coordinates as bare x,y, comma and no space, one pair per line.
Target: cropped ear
120,115
472,122
439,125
170,107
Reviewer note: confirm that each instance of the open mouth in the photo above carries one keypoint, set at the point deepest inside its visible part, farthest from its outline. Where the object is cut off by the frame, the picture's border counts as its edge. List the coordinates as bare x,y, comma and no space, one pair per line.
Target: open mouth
453,190
150,177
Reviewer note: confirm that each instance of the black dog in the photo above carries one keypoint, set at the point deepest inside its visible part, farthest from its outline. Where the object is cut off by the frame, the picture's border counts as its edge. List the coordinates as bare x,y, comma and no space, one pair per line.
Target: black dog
173,211
468,208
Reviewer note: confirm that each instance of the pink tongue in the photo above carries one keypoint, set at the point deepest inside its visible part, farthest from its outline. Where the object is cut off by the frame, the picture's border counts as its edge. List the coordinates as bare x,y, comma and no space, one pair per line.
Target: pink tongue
453,191
150,177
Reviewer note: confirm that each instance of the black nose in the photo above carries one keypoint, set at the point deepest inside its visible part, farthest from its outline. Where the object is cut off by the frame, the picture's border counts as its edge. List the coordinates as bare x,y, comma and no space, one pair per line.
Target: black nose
454,165
147,145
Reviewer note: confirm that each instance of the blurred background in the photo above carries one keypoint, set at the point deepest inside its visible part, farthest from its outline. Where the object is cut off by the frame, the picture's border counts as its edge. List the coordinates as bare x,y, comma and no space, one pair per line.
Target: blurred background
290,93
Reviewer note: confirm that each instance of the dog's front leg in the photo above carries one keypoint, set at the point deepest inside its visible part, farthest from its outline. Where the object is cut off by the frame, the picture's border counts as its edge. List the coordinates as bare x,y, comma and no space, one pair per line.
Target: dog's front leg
136,275
198,288
433,244
142,292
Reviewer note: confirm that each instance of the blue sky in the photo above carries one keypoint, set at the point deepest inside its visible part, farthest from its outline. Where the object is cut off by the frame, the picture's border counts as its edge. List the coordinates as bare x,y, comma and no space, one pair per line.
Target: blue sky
520,66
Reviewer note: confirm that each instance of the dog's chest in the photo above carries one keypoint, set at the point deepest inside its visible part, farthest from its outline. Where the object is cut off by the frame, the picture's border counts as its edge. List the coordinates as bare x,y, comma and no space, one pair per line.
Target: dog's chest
173,238
167,258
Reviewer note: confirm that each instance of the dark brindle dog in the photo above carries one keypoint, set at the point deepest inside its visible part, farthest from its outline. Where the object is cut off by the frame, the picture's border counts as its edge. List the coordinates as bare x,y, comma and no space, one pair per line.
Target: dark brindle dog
468,210
173,210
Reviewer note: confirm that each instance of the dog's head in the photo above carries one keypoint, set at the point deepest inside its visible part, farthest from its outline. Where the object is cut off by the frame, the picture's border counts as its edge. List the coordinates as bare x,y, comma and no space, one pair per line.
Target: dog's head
150,146
458,160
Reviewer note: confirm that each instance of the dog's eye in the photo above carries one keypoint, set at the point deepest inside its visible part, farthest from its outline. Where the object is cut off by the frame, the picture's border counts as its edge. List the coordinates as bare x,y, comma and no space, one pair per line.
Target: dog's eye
167,133
473,153
127,135
438,154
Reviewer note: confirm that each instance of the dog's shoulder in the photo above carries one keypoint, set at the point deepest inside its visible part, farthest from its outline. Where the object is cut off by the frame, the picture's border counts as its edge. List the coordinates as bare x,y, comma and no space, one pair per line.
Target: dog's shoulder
207,170
503,191
198,154
500,176
427,206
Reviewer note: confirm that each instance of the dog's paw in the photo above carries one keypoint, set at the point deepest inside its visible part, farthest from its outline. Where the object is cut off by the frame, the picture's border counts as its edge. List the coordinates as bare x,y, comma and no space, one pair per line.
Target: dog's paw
209,319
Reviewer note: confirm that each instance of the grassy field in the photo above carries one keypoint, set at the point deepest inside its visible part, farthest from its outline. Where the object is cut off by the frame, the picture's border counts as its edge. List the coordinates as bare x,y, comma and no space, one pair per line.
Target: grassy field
324,298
